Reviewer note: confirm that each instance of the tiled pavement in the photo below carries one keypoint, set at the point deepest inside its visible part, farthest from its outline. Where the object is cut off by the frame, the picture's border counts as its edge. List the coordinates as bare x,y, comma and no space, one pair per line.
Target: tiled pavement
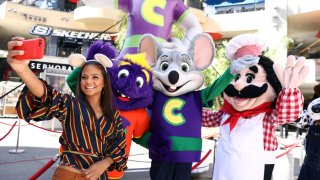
40,146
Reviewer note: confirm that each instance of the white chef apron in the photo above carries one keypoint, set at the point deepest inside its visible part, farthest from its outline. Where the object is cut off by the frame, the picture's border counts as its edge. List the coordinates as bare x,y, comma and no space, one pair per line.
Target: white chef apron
240,153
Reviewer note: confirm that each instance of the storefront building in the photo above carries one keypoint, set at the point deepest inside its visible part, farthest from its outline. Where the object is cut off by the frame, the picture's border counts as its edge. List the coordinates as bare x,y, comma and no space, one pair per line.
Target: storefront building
69,27
53,21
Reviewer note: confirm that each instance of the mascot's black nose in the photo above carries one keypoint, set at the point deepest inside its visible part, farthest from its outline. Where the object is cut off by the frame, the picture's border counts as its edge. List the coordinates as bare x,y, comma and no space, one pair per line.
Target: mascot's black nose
173,77
315,108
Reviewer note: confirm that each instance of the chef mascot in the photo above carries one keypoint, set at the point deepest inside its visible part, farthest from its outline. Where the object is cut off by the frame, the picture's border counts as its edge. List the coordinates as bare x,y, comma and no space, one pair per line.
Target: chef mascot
258,100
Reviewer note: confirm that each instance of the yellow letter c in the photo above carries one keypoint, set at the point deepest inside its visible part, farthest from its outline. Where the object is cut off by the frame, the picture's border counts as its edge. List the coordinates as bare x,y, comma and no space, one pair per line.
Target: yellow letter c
148,14
168,111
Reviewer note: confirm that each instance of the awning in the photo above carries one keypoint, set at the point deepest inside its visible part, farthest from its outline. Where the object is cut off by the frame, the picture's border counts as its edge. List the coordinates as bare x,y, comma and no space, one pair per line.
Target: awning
210,25
216,2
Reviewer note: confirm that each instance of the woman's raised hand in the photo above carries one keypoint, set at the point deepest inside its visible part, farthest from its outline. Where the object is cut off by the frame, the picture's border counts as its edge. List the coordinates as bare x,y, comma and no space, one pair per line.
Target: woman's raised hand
17,65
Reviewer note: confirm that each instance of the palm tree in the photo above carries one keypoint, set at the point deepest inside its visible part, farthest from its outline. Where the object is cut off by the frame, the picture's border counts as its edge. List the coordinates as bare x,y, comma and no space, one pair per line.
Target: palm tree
122,27
220,64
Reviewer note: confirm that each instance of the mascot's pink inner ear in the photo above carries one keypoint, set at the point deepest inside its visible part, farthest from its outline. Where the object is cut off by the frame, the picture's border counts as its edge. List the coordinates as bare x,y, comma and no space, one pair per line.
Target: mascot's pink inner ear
203,52
147,46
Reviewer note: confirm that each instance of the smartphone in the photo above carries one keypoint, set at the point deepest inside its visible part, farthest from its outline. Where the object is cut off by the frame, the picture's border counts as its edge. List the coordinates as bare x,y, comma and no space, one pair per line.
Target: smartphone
33,49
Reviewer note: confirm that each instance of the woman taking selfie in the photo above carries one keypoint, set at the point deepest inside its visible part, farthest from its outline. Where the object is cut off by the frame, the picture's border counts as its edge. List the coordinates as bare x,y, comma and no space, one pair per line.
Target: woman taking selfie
93,139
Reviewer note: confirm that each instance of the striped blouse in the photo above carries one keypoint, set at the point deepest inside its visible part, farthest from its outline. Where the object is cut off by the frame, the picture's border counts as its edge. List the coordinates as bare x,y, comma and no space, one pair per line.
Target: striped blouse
85,139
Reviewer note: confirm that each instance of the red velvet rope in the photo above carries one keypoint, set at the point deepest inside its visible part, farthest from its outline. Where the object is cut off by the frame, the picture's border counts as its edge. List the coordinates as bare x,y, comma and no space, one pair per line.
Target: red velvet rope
201,160
32,125
44,168
287,146
290,147
205,156
8,131
22,161
45,128
13,125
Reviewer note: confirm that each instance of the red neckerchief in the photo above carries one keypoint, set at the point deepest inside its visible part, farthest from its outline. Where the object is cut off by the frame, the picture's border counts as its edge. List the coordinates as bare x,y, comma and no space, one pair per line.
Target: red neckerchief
235,115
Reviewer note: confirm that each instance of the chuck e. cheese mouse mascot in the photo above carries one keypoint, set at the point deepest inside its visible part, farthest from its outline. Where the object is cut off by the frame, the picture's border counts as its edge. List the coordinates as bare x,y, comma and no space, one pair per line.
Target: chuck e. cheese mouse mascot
258,100
174,138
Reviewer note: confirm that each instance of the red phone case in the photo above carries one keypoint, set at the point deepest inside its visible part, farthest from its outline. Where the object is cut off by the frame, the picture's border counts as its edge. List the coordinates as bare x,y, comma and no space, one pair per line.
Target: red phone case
33,49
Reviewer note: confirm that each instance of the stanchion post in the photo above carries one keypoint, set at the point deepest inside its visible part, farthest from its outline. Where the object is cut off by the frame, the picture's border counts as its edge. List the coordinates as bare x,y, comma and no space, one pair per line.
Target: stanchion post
17,150
291,165
302,154
4,103
214,153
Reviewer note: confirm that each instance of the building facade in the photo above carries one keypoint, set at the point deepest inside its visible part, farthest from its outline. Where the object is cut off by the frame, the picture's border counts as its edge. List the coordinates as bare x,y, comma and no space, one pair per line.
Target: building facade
69,27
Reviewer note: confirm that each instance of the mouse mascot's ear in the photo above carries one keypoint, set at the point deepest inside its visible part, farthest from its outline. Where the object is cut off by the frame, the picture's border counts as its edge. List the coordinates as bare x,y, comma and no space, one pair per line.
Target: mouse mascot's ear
151,47
78,60
104,60
202,51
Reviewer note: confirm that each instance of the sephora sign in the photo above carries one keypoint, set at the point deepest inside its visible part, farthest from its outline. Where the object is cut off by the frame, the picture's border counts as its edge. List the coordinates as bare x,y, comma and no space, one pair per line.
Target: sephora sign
41,66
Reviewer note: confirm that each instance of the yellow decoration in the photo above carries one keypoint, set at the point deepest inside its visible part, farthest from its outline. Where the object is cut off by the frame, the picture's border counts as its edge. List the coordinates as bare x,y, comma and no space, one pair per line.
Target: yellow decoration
139,59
